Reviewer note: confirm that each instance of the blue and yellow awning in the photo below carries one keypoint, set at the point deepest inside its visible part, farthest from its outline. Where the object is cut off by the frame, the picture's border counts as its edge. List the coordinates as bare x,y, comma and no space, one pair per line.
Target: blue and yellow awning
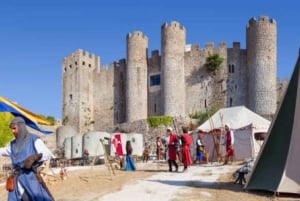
30,118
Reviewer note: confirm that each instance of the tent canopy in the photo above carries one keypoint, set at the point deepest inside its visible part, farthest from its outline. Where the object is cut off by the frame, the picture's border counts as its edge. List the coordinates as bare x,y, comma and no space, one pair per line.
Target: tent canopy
277,166
237,117
30,118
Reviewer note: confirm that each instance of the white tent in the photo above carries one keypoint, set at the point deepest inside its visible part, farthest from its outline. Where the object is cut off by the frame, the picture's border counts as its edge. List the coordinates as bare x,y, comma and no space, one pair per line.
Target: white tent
237,117
244,124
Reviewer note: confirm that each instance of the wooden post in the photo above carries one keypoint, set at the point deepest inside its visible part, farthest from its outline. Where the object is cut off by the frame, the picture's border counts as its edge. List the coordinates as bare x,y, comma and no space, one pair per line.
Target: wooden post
106,159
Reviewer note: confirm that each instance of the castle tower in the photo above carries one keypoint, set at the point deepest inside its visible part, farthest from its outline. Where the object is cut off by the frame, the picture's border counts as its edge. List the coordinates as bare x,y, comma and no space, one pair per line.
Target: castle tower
78,87
172,65
136,77
261,39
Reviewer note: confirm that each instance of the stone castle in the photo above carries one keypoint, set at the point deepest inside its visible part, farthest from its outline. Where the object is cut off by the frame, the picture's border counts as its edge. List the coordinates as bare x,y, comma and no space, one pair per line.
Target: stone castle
175,82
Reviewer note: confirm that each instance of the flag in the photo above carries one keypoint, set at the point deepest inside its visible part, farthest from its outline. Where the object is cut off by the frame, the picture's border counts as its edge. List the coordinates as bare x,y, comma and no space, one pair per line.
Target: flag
30,118
116,141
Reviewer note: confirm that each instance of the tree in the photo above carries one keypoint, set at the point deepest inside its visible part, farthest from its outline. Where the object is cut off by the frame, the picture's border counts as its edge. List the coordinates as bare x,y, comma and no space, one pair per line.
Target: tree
213,62
5,132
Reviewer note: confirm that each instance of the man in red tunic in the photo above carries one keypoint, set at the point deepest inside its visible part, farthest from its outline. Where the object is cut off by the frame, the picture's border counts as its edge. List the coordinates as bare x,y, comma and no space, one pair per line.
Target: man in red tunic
171,140
229,141
186,141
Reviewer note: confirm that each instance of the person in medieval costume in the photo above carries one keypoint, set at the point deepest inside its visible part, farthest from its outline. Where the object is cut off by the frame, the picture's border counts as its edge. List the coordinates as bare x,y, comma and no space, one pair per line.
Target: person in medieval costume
229,142
129,166
200,147
172,140
27,152
186,141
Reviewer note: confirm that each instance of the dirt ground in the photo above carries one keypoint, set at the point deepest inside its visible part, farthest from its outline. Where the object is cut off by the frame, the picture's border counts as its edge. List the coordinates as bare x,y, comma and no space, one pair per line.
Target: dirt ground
90,183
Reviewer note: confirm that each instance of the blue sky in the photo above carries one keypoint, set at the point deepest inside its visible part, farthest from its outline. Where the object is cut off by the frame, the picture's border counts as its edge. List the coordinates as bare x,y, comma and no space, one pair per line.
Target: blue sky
35,36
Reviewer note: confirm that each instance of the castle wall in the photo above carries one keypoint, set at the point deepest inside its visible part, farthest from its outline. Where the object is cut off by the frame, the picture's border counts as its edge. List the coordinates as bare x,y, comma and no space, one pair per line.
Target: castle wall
172,64
104,97
136,77
78,83
261,36
236,71
175,83
120,92
154,86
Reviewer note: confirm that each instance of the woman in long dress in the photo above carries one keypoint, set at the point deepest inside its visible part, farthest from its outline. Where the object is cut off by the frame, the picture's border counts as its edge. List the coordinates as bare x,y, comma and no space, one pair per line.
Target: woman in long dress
130,166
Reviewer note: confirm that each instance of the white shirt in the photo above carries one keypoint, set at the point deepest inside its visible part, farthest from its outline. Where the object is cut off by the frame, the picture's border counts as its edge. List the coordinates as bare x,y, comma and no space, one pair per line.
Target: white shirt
199,142
39,146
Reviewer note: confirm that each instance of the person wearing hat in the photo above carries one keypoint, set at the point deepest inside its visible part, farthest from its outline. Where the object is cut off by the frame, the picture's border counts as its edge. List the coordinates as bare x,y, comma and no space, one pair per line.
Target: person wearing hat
229,142
171,140
27,152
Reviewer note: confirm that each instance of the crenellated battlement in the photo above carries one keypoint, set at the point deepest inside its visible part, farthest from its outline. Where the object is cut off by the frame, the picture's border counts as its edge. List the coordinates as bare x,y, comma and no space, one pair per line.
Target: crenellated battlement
222,45
155,53
173,25
137,34
236,45
261,19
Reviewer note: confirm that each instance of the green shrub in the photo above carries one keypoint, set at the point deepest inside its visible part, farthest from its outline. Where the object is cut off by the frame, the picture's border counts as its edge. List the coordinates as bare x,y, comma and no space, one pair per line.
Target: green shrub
5,132
213,62
156,121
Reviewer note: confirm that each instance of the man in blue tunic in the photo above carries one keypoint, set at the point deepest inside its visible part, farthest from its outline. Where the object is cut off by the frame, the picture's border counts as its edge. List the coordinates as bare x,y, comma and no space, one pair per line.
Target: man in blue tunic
27,151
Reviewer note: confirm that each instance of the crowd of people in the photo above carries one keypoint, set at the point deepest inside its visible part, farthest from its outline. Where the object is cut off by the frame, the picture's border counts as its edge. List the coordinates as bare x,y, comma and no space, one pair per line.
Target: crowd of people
27,152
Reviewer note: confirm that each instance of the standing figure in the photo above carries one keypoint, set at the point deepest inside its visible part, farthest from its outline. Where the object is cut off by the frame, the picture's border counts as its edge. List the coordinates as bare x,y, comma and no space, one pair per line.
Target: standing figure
146,152
27,152
229,142
172,140
158,149
186,141
130,166
199,147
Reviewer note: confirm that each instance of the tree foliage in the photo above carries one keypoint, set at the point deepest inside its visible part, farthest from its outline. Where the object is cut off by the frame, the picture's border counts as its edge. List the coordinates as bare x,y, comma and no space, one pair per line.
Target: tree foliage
213,62
51,119
5,133
156,121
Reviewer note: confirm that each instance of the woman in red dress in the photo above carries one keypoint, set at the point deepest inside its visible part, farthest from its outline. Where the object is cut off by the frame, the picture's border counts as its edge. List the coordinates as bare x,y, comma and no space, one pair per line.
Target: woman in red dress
186,141
229,140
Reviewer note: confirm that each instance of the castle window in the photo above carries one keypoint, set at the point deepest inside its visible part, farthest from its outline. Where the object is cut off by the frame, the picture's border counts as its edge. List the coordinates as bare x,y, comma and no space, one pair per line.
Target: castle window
205,104
90,65
154,80
230,102
83,63
154,107
71,96
76,63
70,66
231,68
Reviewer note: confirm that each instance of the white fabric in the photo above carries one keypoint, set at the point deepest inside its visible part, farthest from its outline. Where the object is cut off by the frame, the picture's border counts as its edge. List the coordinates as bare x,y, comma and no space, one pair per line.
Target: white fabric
245,145
39,145
237,117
